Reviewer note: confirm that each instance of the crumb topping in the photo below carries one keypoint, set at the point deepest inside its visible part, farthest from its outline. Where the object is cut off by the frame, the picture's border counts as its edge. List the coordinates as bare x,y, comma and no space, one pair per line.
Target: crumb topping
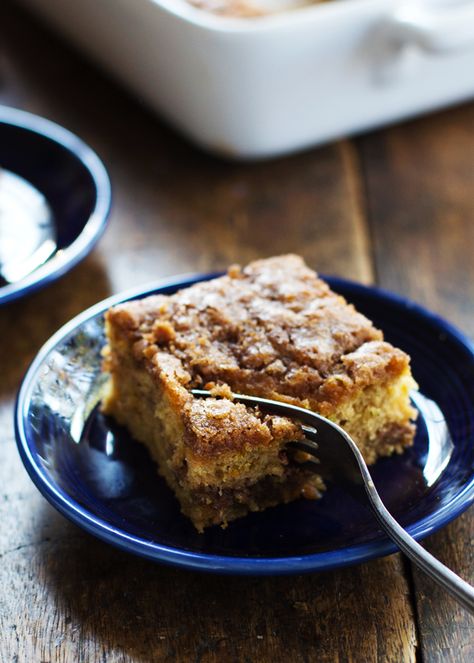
273,327
218,424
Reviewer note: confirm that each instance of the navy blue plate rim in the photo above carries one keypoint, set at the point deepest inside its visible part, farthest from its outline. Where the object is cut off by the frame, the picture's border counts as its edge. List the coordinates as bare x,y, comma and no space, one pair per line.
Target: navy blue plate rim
214,563
63,261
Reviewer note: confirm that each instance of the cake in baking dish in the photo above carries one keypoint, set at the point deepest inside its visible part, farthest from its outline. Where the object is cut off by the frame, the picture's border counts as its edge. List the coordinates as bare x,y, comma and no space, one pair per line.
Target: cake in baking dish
273,329
250,8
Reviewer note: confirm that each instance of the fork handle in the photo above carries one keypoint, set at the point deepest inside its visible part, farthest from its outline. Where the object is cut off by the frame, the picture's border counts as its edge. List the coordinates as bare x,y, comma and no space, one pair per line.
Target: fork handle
456,586
462,591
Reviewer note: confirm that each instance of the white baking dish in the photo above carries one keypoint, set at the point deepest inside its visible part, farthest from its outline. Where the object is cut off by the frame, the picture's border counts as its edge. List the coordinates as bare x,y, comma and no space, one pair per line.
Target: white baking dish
261,87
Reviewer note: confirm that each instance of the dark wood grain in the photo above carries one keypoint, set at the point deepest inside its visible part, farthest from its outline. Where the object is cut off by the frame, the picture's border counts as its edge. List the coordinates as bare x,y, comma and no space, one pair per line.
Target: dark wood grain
67,597
423,232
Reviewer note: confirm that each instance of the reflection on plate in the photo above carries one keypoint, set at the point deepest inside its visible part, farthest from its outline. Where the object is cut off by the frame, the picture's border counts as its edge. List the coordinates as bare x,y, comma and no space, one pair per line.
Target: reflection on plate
27,228
92,471
54,202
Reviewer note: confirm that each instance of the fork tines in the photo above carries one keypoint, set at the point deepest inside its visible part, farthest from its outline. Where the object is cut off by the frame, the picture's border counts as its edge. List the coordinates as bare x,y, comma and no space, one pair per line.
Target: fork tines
304,452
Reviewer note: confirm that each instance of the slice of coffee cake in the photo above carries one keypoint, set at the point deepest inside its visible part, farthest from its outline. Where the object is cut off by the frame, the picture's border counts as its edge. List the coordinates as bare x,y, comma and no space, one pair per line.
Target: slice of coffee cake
273,329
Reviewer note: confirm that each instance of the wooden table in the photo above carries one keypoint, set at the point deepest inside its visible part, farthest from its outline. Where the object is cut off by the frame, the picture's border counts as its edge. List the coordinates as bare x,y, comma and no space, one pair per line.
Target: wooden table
395,207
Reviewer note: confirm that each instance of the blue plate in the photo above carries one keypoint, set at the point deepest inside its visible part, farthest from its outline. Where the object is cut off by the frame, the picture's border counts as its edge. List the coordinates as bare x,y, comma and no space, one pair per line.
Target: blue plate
54,202
94,474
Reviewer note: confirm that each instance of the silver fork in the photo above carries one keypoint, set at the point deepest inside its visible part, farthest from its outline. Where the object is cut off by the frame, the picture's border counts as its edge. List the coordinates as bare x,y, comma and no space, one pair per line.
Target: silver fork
332,451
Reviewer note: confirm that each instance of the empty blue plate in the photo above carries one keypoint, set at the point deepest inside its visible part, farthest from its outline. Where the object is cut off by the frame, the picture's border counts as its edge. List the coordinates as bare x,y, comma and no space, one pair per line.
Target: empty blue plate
94,474
54,202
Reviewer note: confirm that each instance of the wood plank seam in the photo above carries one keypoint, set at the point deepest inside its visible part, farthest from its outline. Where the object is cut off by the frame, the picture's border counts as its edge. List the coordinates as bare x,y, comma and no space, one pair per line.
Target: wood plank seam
408,572
358,191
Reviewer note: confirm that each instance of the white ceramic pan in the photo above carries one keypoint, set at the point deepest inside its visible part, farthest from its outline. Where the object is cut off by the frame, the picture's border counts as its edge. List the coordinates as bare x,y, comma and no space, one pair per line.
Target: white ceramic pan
259,87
